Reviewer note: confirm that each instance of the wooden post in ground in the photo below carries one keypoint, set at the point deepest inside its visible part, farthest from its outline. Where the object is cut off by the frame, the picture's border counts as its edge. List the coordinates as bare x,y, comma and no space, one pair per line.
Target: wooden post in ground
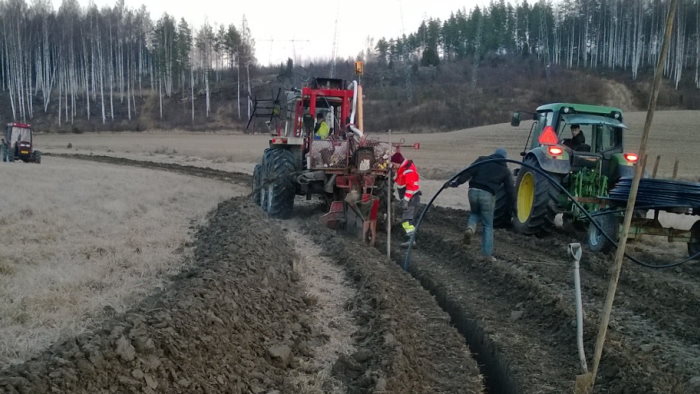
675,168
585,383
656,166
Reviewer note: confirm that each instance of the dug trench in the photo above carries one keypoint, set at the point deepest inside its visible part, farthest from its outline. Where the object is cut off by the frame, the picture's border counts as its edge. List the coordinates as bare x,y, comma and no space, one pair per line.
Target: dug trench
522,308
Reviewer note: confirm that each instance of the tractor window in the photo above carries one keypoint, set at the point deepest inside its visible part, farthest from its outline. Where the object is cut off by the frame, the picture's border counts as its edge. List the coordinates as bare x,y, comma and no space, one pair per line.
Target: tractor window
608,138
564,133
20,134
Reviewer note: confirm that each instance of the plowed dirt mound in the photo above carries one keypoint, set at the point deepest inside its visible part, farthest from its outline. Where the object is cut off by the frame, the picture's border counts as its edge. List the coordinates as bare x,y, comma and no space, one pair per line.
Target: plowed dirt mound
226,324
241,320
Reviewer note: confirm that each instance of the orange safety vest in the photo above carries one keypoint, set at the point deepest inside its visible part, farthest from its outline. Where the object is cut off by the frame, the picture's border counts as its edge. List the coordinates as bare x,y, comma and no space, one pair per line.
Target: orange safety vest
407,177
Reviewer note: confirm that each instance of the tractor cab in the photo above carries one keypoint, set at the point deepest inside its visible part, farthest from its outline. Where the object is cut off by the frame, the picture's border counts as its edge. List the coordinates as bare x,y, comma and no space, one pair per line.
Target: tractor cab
601,147
602,138
19,140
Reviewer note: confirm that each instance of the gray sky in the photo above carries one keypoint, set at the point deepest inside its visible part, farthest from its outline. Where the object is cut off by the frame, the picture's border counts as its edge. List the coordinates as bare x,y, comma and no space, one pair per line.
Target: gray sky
312,22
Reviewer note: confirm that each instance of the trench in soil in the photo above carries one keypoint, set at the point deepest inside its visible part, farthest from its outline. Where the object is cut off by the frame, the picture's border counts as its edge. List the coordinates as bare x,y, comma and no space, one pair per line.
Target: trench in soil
492,364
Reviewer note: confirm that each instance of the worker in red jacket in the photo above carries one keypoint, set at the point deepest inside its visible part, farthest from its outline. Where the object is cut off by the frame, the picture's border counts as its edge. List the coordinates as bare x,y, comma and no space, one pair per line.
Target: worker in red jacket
408,183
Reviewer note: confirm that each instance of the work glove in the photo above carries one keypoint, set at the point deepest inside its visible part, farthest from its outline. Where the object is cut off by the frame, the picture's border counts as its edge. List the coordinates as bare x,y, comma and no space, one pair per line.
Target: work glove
453,183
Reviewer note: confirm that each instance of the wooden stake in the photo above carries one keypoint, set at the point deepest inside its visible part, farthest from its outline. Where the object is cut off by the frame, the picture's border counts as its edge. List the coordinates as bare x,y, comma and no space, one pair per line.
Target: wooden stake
656,166
620,254
675,168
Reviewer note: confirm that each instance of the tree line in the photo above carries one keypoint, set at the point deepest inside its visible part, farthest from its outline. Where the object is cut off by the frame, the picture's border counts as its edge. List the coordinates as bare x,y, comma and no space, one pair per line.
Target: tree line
595,34
78,61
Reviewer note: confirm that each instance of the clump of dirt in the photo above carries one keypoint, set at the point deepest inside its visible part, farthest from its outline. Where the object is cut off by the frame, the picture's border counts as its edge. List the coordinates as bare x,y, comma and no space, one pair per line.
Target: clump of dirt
232,322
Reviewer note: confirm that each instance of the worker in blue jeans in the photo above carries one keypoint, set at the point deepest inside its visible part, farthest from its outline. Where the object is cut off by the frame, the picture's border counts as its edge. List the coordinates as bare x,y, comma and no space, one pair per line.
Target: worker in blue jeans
484,181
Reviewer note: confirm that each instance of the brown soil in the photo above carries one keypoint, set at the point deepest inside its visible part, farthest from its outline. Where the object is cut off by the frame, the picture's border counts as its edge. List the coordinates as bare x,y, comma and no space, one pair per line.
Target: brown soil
242,319
524,304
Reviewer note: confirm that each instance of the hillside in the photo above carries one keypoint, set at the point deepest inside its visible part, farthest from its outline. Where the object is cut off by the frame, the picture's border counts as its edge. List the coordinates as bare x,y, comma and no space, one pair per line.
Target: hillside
432,98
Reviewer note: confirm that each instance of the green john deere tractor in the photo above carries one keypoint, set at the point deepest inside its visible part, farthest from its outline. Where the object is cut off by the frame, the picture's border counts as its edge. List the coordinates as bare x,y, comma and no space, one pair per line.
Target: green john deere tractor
587,169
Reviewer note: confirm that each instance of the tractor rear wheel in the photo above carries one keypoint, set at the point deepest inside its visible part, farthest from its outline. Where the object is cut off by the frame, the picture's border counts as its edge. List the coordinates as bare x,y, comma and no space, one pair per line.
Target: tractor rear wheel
595,239
256,184
694,244
35,157
278,187
503,212
536,201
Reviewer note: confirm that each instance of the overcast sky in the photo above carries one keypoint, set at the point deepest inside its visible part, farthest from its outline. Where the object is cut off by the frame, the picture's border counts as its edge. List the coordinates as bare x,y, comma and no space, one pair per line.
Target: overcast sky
274,23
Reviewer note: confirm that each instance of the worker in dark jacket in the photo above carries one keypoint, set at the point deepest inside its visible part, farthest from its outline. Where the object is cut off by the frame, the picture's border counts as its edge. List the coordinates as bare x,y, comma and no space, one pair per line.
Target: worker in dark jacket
484,181
577,140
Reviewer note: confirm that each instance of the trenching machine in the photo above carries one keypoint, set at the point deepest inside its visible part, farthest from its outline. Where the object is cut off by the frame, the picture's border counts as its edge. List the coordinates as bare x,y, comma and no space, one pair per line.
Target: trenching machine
348,170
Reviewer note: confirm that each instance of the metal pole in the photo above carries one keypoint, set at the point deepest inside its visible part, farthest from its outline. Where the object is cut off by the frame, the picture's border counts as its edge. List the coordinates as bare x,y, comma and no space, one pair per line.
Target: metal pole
620,254
576,252
388,204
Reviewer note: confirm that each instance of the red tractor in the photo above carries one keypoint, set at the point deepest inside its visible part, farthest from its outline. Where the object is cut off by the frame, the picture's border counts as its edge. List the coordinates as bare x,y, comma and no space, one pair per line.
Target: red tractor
346,169
18,144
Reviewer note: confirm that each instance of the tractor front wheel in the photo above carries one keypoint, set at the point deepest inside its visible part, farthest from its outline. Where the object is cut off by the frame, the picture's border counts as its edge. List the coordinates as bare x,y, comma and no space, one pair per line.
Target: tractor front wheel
694,244
596,240
277,183
537,200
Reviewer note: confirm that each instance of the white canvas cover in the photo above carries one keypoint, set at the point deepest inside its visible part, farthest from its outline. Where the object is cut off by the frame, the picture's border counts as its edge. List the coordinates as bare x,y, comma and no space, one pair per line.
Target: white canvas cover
20,134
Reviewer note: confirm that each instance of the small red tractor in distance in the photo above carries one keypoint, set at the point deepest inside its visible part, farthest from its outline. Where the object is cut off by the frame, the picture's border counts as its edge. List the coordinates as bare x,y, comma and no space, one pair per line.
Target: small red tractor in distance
347,169
19,143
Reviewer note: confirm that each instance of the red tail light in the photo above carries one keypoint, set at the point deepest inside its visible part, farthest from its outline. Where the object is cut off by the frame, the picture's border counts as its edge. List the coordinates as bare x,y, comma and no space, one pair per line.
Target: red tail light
548,136
555,150
631,157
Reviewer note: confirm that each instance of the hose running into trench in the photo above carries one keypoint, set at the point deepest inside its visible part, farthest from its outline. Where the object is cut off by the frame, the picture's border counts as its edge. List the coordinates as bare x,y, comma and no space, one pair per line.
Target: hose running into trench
411,242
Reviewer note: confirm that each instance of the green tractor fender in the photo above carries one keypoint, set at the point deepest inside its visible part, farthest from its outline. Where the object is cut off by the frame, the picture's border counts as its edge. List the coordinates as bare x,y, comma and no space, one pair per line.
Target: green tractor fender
557,164
619,168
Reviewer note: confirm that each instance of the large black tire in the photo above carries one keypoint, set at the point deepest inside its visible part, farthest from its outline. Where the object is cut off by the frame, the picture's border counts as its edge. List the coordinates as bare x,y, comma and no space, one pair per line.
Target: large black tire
278,185
256,184
36,157
596,240
503,212
537,201
694,244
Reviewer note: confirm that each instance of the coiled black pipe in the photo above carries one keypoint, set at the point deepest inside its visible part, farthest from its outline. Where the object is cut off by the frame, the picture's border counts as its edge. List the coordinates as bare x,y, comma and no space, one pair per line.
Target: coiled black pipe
407,260
660,192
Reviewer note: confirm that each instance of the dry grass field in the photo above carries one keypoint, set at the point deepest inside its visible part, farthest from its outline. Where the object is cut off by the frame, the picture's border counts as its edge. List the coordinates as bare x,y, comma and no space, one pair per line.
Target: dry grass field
81,240
674,135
